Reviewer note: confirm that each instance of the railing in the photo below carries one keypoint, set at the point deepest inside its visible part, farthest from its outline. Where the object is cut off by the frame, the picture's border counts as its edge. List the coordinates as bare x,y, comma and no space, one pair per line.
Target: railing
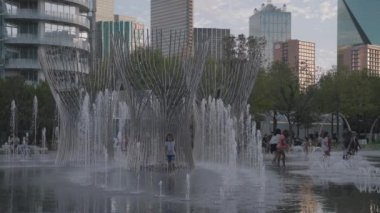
64,41
22,63
84,3
48,15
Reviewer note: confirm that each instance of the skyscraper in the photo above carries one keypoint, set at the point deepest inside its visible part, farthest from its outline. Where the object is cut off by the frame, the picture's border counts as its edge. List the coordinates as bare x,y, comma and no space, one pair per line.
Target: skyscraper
272,23
357,25
170,16
125,26
215,38
105,10
300,57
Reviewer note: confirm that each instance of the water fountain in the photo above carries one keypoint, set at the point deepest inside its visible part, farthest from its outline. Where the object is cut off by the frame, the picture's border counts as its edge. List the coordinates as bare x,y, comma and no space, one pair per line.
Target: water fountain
112,125
35,115
187,198
13,121
160,189
43,140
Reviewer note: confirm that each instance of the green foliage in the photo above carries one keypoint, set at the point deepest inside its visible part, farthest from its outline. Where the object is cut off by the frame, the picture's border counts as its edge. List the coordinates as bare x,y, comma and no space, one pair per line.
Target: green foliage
354,94
261,99
242,48
23,94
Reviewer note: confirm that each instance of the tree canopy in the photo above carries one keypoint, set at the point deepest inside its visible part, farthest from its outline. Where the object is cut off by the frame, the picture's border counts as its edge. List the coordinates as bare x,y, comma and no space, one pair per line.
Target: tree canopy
354,94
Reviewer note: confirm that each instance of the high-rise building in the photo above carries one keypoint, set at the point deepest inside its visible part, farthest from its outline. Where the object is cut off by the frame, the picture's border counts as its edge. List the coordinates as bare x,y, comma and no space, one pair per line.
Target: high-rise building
272,23
174,16
105,10
362,57
215,39
357,25
29,25
125,26
300,57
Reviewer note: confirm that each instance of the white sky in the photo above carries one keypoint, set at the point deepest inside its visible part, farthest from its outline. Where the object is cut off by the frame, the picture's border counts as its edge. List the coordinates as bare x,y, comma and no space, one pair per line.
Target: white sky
312,20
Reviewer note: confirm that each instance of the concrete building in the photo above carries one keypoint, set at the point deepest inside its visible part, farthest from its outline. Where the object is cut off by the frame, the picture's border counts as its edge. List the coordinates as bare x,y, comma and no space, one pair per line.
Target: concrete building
272,23
216,39
300,57
167,16
125,26
357,26
362,57
105,10
30,25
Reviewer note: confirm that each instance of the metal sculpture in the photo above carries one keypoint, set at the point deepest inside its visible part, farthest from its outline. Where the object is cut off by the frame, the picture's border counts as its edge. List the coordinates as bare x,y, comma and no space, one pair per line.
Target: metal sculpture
122,110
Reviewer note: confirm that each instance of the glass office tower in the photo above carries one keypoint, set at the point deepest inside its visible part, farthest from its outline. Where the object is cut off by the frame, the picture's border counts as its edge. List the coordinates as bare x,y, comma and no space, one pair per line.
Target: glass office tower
272,23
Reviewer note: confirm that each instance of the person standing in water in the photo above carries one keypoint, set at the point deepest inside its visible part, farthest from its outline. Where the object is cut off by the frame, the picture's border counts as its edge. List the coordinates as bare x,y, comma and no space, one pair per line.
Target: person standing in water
170,151
273,144
281,147
326,144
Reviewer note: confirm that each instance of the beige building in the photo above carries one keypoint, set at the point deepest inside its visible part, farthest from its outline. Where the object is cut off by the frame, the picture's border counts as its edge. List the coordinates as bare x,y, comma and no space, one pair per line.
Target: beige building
105,10
362,57
300,57
170,16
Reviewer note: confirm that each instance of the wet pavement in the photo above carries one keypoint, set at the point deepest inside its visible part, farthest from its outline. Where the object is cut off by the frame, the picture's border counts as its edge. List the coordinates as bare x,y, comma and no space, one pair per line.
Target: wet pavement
305,185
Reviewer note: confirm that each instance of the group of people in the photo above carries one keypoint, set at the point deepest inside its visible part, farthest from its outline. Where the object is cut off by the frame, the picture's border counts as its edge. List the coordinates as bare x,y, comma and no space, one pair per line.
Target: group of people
278,145
15,145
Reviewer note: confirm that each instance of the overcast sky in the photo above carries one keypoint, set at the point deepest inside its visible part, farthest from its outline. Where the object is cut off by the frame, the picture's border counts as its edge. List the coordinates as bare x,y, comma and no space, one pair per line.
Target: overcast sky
312,20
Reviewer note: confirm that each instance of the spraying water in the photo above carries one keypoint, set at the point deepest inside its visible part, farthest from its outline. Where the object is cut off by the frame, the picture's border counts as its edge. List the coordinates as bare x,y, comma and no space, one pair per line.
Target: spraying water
13,118
35,114
160,186
187,187
43,145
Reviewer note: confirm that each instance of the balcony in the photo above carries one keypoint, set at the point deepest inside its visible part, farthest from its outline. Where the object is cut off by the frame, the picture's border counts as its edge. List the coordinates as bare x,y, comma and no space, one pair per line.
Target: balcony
22,63
62,41
85,4
46,15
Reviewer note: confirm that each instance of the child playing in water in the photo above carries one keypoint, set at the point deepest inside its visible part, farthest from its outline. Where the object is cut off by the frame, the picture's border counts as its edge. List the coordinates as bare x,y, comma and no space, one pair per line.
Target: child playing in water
170,151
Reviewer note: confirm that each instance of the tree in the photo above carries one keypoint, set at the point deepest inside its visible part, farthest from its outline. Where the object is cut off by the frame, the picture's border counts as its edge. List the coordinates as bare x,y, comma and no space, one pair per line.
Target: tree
16,89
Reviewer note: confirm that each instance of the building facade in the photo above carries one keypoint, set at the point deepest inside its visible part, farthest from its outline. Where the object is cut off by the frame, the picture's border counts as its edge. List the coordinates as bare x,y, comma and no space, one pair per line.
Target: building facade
272,23
362,57
125,26
105,10
215,38
357,25
170,19
29,25
300,57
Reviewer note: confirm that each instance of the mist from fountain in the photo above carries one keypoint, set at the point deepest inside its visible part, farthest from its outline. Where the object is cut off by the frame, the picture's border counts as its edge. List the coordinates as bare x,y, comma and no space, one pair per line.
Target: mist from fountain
223,139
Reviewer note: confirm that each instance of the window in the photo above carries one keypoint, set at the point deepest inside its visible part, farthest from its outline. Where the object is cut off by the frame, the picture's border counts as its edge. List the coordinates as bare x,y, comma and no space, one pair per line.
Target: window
12,30
11,7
